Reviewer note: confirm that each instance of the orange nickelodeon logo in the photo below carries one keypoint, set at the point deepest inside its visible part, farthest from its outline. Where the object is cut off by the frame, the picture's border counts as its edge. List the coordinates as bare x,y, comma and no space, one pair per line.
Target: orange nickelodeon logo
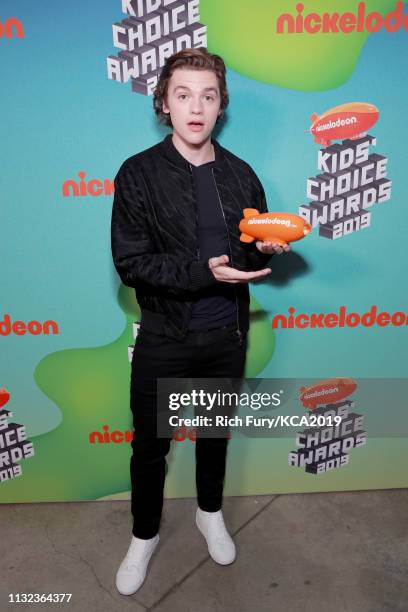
333,23
327,392
12,28
183,433
106,436
350,120
118,437
35,328
342,318
93,187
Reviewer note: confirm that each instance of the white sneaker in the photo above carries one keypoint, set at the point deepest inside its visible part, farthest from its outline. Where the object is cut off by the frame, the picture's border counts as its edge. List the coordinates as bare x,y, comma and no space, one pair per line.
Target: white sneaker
132,571
220,544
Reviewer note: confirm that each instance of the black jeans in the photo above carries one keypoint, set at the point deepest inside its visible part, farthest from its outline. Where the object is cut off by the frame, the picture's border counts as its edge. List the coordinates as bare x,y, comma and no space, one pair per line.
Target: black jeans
212,354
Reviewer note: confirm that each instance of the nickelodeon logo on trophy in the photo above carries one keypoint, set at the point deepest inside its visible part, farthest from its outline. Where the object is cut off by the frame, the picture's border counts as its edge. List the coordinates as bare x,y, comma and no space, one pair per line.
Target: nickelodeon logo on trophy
352,179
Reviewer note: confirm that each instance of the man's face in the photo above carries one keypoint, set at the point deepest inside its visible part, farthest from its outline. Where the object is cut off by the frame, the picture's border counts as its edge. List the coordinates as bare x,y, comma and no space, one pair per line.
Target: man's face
193,101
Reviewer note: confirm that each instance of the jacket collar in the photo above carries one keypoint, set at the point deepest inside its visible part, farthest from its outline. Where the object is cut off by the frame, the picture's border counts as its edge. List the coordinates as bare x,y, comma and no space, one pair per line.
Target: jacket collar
169,150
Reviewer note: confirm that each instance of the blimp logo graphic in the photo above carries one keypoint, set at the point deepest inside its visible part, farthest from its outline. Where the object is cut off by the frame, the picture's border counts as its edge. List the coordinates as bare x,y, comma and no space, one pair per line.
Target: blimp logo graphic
272,226
350,120
4,396
329,391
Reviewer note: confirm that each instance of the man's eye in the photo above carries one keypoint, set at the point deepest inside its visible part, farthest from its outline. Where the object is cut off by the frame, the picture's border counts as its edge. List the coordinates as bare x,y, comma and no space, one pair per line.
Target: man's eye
182,96
209,98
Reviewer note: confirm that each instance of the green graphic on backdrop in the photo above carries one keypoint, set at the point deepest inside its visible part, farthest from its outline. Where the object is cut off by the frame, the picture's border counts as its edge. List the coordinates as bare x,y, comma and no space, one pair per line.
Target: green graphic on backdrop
91,388
244,33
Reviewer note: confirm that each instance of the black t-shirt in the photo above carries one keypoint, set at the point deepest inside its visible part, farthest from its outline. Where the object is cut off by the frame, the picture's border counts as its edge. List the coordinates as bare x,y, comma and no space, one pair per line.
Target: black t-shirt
214,306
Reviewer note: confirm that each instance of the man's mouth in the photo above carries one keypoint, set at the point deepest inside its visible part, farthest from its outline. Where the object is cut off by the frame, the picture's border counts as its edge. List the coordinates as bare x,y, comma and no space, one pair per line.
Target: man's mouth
195,126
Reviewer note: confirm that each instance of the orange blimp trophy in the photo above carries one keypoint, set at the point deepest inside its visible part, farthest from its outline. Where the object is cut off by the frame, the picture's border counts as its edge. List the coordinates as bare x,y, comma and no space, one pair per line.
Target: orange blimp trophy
272,227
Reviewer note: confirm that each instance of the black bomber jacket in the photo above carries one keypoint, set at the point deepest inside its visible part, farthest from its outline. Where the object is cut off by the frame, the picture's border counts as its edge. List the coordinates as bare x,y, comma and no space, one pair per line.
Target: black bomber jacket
154,233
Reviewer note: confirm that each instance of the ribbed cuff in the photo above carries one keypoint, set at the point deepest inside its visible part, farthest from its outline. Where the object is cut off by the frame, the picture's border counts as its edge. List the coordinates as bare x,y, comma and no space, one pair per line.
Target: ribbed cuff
201,275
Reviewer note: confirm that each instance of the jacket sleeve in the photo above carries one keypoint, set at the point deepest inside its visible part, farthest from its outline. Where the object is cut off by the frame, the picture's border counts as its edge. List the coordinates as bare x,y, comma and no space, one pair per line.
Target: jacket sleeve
133,252
256,259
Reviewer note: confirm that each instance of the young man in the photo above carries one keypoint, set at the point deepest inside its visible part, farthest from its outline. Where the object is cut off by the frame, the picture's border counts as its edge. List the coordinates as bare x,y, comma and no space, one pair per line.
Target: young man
175,239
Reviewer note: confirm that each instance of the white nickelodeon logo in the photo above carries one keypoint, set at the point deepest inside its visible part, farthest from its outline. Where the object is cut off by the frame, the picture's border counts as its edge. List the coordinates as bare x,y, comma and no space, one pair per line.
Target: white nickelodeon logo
268,220
339,122
323,392
153,31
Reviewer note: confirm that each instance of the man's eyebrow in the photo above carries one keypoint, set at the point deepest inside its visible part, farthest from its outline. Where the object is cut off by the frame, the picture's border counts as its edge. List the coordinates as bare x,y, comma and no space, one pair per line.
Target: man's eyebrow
205,89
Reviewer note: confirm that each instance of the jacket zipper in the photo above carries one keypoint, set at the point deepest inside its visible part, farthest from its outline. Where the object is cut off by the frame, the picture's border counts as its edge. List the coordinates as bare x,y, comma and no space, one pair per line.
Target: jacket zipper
232,263
196,214
190,306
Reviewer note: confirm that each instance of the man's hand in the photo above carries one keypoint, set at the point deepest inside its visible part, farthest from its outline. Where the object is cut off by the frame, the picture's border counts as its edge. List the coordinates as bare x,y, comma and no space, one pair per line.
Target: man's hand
226,274
271,247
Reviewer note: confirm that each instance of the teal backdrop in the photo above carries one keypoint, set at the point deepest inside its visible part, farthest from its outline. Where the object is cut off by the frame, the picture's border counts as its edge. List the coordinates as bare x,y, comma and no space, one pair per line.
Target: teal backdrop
63,119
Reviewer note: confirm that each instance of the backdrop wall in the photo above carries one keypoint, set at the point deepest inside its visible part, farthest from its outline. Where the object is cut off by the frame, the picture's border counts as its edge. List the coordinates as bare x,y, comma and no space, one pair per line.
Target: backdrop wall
75,103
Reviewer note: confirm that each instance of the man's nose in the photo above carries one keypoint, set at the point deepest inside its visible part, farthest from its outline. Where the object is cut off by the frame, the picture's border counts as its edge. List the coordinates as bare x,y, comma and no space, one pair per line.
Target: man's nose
196,104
